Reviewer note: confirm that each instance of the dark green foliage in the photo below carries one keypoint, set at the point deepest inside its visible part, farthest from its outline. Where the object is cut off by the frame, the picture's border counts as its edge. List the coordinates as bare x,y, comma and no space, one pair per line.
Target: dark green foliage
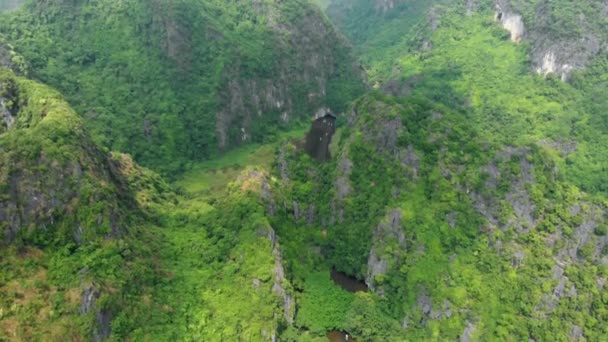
160,80
478,186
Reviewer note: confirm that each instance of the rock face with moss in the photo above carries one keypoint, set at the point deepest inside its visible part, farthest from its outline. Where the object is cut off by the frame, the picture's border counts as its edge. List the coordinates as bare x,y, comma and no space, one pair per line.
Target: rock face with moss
464,197
447,195
190,78
53,176
563,35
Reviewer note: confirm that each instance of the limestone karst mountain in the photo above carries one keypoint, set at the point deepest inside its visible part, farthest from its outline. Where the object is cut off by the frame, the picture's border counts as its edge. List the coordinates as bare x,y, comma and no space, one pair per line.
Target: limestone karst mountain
461,196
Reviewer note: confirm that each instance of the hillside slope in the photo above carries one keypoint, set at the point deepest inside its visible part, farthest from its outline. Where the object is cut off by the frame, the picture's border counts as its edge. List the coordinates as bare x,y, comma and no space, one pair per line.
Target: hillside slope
468,191
457,236
563,36
93,247
464,198
175,81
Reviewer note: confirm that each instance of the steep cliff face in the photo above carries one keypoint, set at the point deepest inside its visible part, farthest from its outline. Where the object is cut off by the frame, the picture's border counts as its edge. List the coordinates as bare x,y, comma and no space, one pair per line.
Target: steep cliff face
443,223
564,35
55,180
186,79
64,203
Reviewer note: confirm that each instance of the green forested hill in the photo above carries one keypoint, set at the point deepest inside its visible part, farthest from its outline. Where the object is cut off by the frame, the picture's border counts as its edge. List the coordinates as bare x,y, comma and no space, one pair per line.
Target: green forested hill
175,81
469,189
93,247
465,197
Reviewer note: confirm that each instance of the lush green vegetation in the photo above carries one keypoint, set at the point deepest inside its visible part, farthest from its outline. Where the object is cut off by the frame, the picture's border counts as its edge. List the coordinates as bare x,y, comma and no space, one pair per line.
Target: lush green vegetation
468,191
109,239
380,31
179,81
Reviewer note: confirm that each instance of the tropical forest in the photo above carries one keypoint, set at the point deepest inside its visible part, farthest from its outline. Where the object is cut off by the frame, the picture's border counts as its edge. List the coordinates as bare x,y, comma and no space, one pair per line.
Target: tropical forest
304,170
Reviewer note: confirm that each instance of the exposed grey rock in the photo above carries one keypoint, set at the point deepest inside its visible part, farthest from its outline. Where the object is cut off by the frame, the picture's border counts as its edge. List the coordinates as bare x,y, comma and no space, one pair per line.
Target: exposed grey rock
576,333
565,147
451,218
88,299
311,214
517,196
410,159
10,5
425,304
377,264
342,181
383,134
321,112
343,188
517,260
296,211
444,312
467,334
279,279
563,56
447,309
601,282
103,320
244,98
575,209
584,234
266,194
103,317
512,22
6,117
471,7
434,19
551,53
36,197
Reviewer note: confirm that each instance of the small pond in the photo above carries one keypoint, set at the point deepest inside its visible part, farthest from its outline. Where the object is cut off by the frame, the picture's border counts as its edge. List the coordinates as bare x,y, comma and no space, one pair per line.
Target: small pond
350,284
339,336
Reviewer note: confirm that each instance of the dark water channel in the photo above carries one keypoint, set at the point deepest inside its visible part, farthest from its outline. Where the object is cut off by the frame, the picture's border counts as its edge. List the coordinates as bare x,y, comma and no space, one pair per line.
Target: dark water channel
350,284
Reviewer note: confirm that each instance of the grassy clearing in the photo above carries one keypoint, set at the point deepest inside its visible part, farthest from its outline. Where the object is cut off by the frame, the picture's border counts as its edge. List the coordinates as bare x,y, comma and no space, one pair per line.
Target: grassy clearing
210,177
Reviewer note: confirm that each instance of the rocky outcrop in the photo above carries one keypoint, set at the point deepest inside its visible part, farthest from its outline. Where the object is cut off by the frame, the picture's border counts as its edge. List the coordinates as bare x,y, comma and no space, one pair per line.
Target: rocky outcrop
279,282
467,334
555,49
191,86
7,120
517,197
313,43
257,182
55,180
103,317
513,23
387,233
